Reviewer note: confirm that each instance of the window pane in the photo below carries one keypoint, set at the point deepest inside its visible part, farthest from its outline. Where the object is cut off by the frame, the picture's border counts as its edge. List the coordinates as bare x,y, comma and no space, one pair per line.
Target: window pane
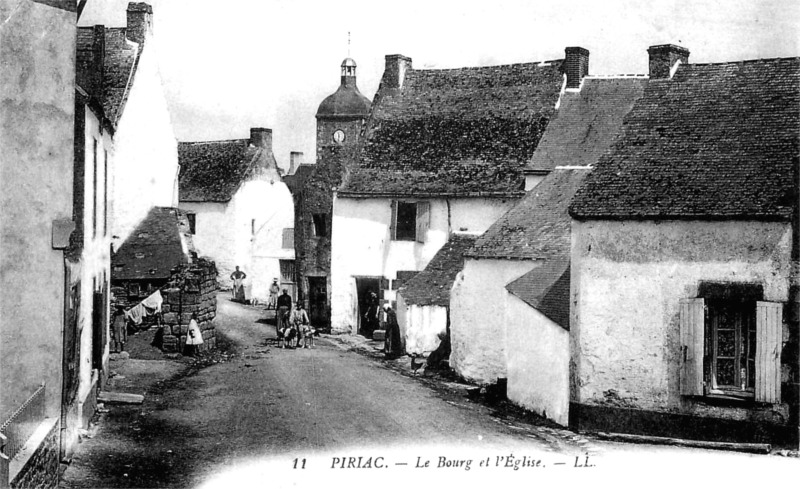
751,373
726,343
751,345
406,221
726,372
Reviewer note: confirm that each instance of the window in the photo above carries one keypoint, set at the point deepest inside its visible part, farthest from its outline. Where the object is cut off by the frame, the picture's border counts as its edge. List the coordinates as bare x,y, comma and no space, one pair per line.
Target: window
731,343
192,217
320,229
410,221
288,238
94,187
287,270
105,193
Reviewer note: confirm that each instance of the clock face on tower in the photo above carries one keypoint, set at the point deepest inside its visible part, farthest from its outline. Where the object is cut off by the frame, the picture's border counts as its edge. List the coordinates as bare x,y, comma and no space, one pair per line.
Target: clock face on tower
338,136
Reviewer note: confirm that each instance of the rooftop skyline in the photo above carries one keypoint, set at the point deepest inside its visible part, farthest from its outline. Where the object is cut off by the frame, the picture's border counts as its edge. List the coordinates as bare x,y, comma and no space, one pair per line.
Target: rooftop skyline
270,63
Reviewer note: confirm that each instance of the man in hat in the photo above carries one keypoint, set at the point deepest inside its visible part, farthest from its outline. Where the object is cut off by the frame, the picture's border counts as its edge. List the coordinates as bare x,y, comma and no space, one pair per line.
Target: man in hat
273,294
284,303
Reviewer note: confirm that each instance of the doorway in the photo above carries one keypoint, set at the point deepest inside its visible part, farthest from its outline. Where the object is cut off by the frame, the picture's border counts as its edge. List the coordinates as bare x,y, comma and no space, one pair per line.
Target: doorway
318,302
365,285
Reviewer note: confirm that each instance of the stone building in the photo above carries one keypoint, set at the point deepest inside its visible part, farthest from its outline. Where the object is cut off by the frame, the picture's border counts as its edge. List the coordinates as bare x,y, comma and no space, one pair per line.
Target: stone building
339,122
37,119
144,263
240,211
521,264
442,152
684,286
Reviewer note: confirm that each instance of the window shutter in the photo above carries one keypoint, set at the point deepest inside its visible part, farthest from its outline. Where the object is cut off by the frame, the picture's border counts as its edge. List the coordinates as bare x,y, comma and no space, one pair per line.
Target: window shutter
769,322
423,220
692,319
393,225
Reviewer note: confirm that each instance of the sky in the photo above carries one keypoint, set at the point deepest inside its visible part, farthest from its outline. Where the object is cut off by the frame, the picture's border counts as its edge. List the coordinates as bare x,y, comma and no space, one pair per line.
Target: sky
234,64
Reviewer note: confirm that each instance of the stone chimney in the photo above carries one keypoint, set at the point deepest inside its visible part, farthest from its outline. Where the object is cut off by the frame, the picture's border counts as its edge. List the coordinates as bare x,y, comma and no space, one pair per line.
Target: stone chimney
576,65
98,63
140,22
395,71
663,59
261,137
295,160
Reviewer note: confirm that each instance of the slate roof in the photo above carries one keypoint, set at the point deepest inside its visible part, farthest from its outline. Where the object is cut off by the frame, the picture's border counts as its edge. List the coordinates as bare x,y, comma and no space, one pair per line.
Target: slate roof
466,131
212,171
546,288
154,248
586,122
347,101
120,62
431,287
296,180
716,141
538,227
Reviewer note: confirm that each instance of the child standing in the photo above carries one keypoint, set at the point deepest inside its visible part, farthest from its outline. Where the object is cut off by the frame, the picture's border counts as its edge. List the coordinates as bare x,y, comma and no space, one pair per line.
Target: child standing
300,321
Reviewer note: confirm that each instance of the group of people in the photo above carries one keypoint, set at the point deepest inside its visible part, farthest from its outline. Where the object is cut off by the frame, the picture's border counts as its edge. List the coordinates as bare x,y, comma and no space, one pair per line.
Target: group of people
292,325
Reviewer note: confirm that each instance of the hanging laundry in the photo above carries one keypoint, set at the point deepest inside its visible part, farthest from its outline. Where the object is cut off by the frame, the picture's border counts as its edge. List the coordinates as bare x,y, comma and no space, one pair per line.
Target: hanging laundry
136,313
153,302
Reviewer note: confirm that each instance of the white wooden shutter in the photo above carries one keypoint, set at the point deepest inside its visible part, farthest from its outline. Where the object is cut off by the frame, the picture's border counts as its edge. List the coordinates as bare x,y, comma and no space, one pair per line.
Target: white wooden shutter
423,220
769,323
393,225
692,319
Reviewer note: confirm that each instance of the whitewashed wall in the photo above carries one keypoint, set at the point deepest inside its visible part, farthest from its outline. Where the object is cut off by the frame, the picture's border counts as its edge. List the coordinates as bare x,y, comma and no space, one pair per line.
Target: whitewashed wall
477,317
224,232
361,245
627,280
537,359
146,160
96,256
421,327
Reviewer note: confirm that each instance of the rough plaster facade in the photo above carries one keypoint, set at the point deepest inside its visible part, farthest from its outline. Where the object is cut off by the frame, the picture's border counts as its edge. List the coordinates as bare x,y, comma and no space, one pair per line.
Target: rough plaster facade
537,361
146,160
626,283
361,244
421,327
226,232
37,117
478,302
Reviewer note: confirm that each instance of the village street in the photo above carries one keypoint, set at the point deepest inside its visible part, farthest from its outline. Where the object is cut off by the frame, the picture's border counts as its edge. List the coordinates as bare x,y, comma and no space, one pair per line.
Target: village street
261,401
251,403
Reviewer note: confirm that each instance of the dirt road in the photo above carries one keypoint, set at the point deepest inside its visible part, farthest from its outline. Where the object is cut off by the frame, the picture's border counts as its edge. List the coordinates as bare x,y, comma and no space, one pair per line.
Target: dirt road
262,401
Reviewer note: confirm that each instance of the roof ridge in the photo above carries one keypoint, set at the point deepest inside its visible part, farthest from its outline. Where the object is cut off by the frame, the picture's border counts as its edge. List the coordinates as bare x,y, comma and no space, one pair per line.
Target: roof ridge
215,141
744,61
543,64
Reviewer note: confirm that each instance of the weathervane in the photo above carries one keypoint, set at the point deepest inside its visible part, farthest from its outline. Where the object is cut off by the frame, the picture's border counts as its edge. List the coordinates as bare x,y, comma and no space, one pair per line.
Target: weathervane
348,44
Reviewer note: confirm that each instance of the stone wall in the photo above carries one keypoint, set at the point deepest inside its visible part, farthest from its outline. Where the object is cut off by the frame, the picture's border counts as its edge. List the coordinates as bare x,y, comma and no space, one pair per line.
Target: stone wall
41,471
191,290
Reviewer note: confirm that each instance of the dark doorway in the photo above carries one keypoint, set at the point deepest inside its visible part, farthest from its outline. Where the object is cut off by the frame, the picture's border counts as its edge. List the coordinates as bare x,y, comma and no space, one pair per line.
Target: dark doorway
318,302
365,285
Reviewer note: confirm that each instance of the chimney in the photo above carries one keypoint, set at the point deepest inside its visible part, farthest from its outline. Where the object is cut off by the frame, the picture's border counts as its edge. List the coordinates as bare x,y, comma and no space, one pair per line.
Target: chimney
576,65
294,161
395,71
98,63
663,59
140,22
261,137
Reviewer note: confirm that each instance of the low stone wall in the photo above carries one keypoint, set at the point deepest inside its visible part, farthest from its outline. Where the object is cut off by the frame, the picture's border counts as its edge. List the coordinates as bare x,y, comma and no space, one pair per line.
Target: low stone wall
191,290
41,470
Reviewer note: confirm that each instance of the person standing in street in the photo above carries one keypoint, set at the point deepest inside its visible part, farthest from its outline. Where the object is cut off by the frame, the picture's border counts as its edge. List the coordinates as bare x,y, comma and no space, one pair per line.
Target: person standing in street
284,304
273,294
392,347
238,285
299,320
